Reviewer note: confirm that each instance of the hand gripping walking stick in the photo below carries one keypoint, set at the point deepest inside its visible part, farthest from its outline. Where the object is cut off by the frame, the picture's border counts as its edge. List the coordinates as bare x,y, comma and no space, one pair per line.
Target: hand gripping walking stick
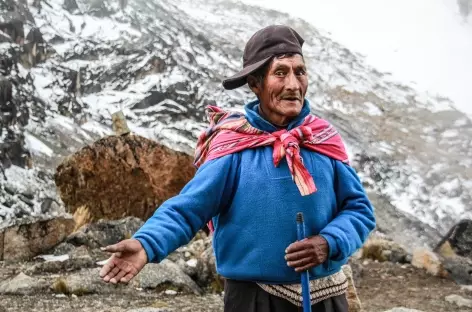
305,278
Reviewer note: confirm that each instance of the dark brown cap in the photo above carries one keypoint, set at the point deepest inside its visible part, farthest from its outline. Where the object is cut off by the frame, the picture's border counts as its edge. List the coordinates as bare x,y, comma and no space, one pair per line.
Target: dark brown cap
261,47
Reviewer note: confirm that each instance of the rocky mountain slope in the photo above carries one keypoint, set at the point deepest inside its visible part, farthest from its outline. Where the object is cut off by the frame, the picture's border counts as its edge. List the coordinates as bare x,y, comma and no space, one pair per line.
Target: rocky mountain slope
67,65
385,276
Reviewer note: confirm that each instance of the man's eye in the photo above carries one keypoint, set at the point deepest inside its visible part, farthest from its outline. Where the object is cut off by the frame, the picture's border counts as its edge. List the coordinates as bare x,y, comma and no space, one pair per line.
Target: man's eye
279,73
301,72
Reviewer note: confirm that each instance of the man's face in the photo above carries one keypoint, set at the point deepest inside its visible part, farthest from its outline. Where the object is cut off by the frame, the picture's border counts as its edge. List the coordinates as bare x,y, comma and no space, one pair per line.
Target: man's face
284,87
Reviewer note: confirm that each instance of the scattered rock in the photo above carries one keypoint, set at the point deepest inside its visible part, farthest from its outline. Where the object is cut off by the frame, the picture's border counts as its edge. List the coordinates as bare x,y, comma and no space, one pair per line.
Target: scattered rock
352,298
459,269
459,301
120,176
188,258
86,281
165,275
428,260
103,232
401,309
384,250
170,292
13,148
71,6
24,241
22,284
207,274
148,310
458,241
35,49
12,25
63,249
76,260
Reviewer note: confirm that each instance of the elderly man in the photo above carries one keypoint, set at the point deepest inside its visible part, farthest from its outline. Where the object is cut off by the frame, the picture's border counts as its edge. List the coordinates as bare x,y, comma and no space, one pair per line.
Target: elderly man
256,171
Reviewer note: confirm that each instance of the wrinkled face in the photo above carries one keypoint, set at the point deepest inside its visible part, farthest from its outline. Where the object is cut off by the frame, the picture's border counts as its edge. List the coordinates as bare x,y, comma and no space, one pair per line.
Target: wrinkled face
283,89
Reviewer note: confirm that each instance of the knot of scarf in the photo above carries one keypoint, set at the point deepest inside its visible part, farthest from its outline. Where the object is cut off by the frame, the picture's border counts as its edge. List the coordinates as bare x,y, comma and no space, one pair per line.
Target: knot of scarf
287,144
231,132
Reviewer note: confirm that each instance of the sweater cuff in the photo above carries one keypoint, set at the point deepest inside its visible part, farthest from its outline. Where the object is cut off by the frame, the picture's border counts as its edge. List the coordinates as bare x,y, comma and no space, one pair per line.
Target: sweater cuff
332,245
148,249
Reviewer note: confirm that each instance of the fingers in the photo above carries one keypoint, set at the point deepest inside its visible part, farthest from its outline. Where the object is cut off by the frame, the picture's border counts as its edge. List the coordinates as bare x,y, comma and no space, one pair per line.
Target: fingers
107,267
303,264
114,248
297,246
127,277
304,268
111,274
117,270
118,276
298,255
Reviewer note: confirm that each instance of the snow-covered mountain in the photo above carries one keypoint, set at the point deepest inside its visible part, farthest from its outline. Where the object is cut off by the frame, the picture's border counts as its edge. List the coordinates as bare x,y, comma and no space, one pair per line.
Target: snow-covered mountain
75,62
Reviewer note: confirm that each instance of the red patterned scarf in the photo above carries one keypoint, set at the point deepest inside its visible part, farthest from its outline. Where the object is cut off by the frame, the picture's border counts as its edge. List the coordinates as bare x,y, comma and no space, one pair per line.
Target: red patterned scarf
231,132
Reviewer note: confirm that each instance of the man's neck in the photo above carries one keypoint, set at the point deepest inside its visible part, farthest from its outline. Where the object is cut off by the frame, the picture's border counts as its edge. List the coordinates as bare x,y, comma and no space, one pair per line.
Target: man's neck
280,122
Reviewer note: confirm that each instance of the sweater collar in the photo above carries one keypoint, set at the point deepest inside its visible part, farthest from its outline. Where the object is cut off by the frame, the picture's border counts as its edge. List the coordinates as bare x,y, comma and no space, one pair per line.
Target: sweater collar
257,121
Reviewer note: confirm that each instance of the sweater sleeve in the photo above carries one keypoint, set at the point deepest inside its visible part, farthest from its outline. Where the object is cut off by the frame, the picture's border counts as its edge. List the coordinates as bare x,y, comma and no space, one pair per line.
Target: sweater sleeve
179,218
355,218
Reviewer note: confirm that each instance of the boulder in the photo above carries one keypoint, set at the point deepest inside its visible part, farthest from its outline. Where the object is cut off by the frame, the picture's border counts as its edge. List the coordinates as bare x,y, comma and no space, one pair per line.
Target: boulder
165,275
83,282
102,233
12,25
189,258
459,301
459,269
455,249
12,146
77,259
458,241
35,49
71,6
120,176
24,241
384,250
207,274
22,284
430,261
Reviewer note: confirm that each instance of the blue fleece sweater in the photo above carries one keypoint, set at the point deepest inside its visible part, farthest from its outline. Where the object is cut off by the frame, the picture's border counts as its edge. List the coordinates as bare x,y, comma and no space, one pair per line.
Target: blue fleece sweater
254,205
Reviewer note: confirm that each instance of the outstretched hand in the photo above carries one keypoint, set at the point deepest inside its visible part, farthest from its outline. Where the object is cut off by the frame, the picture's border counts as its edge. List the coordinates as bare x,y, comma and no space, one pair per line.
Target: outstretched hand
307,253
128,259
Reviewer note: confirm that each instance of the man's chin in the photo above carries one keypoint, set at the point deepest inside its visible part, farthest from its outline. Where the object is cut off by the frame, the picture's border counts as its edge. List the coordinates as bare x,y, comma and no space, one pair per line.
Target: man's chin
292,108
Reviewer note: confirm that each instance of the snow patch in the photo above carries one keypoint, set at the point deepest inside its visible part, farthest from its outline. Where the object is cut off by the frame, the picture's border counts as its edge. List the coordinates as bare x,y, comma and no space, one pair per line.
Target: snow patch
36,146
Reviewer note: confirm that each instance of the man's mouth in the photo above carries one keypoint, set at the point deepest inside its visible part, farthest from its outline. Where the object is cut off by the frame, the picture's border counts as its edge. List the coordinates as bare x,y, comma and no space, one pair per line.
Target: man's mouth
291,98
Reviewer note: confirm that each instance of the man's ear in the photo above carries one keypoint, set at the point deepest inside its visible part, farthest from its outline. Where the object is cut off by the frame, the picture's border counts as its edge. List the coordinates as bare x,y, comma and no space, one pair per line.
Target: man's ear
253,84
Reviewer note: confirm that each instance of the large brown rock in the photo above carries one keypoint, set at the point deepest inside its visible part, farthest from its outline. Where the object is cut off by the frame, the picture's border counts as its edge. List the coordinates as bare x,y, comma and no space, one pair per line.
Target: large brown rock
24,241
120,176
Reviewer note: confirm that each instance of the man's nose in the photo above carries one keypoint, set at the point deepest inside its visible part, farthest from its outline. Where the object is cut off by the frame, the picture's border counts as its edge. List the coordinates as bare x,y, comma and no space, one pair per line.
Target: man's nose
292,82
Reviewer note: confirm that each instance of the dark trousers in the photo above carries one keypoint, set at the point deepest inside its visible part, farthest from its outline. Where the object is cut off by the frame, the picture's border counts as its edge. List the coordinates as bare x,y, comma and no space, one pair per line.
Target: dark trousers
249,297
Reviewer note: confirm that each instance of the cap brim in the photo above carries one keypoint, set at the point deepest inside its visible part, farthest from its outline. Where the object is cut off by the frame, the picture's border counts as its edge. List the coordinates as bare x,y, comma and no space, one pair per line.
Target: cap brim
239,79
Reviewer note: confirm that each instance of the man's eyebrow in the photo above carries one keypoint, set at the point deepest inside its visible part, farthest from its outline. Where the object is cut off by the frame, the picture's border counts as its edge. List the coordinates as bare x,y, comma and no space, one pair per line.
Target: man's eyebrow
284,66
280,66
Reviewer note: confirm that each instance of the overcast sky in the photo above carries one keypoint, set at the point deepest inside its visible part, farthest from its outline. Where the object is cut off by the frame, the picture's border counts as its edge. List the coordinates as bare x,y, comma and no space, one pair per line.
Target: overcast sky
423,41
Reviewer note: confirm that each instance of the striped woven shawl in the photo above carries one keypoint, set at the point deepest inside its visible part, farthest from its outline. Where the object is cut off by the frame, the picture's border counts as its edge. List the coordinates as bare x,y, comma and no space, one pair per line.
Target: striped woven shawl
231,132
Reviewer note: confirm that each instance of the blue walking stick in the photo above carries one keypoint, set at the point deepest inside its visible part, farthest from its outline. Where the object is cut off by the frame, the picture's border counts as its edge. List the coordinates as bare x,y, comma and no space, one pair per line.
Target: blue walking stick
305,278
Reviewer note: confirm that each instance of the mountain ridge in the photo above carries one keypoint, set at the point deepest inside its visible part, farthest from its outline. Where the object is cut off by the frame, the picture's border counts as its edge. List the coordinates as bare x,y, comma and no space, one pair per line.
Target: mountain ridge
162,63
